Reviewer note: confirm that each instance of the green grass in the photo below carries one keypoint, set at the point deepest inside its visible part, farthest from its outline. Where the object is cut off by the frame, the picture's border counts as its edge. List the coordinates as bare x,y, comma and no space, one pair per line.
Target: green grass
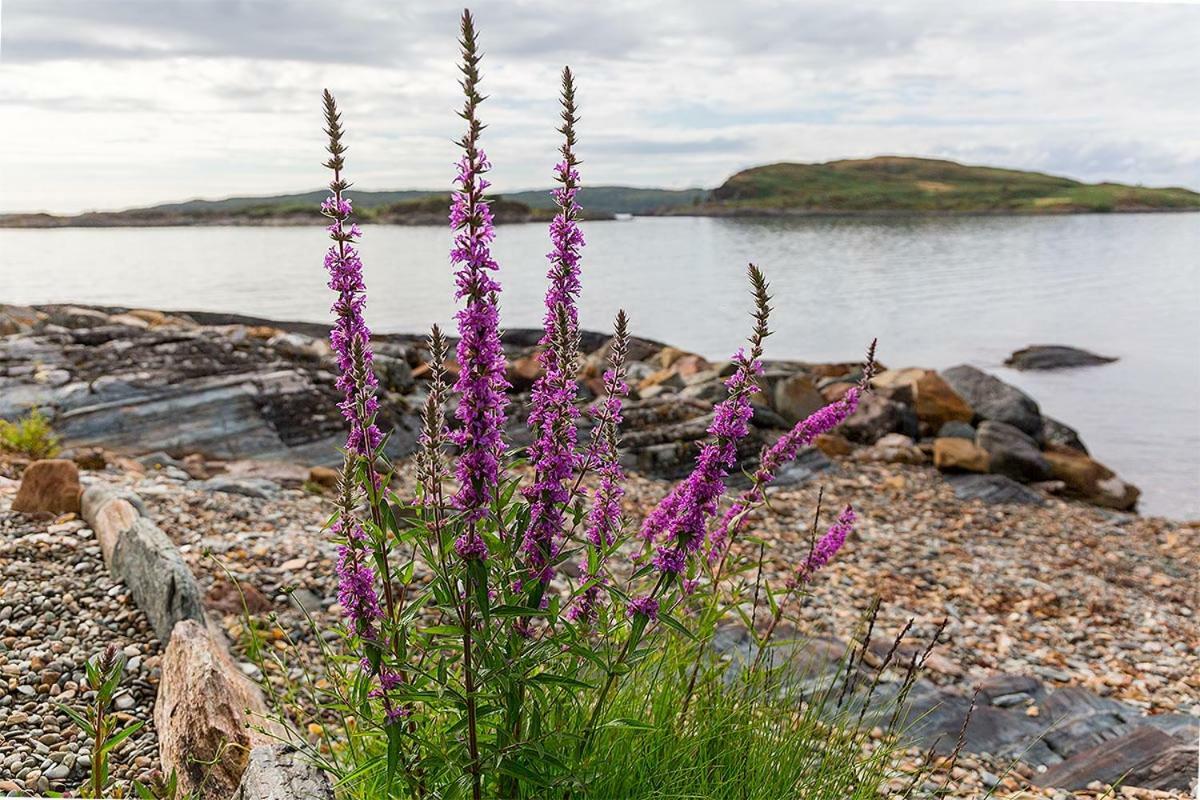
893,183
742,739
29,436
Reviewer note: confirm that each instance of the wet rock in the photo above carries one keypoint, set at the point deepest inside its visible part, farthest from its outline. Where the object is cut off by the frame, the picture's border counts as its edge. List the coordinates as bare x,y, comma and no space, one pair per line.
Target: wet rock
50,485
952,454
993,489
993,399
1012,453
1054,356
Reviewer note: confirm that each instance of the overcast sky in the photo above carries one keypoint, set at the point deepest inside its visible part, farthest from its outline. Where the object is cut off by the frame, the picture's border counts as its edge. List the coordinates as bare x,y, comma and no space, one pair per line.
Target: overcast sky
119,103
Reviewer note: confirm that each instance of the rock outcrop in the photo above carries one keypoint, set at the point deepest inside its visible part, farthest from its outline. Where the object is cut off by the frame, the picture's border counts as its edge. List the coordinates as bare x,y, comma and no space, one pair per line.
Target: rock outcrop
1054,356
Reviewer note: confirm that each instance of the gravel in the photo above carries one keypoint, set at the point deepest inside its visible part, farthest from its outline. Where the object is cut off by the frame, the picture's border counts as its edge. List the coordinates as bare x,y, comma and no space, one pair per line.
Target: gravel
59,608
1064,592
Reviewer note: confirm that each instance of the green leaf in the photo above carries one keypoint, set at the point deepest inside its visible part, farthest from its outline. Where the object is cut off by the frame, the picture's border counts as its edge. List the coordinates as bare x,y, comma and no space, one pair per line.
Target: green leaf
115,741
518,611
78,719
395,735
677,626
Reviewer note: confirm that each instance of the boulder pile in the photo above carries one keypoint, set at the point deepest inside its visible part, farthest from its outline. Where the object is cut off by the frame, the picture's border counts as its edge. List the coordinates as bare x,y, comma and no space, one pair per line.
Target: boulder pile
223,387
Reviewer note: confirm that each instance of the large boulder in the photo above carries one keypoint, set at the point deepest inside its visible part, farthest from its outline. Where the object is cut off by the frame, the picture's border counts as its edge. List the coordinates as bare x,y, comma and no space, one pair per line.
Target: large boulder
875,418
795,397
993,399
1090,480
202,715
930,397
1012,453
953,454
50,485
1054,356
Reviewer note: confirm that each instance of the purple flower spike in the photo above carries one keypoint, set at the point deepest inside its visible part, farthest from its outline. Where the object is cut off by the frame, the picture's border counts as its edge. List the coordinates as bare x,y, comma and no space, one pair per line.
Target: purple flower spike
826,547
351,341
784,450
554,411
679,523
481,381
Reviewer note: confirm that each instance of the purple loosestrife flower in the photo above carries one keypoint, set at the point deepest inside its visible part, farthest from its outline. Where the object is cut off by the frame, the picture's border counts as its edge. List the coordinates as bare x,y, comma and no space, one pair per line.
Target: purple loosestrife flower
679,522
784,450
554,411
351,341
825,548
604,517
645,605
481,381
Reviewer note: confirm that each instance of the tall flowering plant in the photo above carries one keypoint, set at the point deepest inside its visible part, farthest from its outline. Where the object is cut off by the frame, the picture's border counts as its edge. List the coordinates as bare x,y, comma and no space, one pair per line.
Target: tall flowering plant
483,663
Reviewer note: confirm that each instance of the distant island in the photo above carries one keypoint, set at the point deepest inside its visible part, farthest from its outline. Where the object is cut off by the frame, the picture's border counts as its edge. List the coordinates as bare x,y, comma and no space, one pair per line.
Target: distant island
883,185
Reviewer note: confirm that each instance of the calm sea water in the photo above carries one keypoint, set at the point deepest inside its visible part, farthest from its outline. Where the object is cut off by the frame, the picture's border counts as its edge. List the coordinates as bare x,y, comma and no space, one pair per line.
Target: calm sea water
937,292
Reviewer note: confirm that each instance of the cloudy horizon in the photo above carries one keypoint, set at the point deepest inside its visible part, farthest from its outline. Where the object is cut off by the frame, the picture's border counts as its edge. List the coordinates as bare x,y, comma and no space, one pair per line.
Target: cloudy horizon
121,103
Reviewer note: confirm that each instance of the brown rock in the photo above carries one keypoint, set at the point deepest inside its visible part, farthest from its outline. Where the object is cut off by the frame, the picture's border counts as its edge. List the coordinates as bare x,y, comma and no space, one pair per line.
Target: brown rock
262,332
952,454
690,364
832,444
1090,480
284,473
227,598
324,476
795,397
128,320
936,403
668,356
50,485
204,704
148,315
92,458
835,391
523,371
666,378
930,396
894,448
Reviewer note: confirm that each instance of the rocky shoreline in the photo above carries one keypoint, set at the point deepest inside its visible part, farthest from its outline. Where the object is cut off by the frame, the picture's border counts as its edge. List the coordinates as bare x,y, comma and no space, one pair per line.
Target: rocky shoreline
1076,618
139,381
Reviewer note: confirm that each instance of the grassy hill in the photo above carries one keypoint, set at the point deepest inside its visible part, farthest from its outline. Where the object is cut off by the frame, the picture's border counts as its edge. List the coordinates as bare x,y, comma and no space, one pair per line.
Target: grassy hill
901,184
881,185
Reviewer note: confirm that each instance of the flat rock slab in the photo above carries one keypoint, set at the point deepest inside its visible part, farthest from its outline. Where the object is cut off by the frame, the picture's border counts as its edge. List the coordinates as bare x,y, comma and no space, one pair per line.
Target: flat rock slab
1145,757
1054,356
993,489
280,772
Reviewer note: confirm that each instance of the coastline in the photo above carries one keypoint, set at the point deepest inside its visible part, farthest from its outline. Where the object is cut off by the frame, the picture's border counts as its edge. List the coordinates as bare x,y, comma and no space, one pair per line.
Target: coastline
130,220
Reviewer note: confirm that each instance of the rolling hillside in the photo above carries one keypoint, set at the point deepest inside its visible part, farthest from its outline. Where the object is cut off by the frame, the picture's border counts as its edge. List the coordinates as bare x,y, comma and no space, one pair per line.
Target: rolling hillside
900,184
